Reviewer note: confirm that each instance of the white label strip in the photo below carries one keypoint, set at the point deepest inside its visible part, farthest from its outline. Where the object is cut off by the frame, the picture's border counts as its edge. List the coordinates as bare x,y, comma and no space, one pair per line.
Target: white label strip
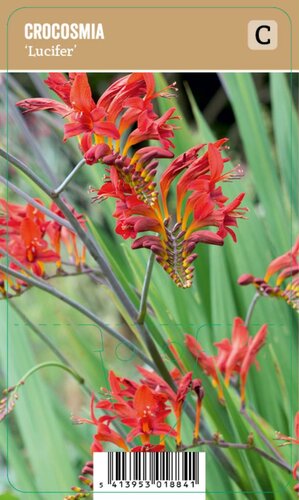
150,472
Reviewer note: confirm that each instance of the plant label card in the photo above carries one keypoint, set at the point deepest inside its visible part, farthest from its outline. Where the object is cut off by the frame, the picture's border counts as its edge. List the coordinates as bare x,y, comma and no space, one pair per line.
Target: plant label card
149,250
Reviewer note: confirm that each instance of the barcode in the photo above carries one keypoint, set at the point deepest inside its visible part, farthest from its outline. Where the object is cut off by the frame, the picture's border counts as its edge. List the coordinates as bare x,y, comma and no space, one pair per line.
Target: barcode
118,471
152,467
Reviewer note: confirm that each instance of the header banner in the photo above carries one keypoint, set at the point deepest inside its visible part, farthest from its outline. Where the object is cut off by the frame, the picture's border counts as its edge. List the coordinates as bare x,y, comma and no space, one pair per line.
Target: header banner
165,38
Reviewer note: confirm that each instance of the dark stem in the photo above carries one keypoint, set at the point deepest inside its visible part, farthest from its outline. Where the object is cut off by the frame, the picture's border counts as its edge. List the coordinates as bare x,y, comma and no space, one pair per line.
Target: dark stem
239,446
95,276
76,305
261,435
68,179
145,289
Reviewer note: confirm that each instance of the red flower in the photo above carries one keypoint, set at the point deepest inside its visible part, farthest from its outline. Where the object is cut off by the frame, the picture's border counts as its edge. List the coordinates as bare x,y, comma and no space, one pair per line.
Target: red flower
148,415
84,116
234,357
34,240
138,407
142,407
30,248
285,266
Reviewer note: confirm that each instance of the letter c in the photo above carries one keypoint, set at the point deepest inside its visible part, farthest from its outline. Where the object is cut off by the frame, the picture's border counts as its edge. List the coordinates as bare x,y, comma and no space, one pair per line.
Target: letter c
28,31
257,35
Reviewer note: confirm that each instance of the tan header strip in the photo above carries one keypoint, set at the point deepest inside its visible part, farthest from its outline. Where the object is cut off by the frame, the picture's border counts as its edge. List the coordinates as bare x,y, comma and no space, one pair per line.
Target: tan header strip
165,38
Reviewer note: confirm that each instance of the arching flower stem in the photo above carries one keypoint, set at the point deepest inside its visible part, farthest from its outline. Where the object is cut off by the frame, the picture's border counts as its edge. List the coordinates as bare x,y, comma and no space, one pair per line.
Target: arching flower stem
251,309
68,179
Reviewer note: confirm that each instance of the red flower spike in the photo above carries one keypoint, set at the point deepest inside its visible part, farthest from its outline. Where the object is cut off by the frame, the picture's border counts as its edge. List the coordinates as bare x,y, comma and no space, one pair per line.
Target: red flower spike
174,242
126,104
286,266
143,408
233,357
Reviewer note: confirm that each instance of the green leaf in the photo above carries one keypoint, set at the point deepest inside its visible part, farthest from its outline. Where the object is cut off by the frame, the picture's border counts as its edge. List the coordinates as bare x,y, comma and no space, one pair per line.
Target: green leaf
38,425
286,131
248,112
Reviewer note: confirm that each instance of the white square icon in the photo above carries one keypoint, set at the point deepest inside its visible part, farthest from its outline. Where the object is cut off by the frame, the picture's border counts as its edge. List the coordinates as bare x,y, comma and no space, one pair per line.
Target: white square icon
262,35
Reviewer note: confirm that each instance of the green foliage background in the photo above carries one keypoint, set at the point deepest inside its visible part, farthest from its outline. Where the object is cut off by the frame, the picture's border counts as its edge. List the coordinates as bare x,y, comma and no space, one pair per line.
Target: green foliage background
42,450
